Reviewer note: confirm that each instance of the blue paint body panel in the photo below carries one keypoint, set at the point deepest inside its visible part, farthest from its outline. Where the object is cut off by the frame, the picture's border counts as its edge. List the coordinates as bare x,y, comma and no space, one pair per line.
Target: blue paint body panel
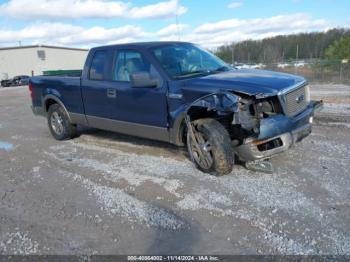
280,124
159,107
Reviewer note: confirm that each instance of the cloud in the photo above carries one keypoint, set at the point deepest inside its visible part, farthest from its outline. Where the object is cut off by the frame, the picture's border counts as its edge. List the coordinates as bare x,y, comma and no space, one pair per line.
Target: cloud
234,5
281,23
161,9
172,29
210,35
219,26
101,35
44,31
234,30
69,35
73,9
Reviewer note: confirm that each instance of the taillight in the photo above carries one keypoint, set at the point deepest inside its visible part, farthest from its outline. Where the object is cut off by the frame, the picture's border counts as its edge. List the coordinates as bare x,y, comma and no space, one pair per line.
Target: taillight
30,87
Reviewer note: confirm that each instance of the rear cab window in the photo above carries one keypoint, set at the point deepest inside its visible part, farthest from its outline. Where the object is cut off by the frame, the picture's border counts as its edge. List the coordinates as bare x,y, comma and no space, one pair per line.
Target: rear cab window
98,65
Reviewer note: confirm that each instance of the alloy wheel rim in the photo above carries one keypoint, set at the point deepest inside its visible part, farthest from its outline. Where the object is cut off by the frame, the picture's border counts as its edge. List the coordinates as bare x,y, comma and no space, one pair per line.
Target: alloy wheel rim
204,159
57,123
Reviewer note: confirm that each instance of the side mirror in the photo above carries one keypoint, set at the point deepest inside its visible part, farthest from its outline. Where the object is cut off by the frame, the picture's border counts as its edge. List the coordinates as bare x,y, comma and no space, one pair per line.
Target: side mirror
143,79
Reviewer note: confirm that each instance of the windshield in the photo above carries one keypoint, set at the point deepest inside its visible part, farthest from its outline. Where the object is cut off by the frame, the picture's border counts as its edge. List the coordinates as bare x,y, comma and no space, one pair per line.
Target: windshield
186,60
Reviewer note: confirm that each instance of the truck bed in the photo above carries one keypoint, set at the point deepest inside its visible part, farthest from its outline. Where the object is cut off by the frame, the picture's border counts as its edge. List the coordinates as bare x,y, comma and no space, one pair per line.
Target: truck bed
66,88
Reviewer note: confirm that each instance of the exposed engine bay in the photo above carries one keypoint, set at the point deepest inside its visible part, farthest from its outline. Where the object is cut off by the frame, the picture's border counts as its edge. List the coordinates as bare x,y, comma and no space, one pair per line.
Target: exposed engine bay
239,114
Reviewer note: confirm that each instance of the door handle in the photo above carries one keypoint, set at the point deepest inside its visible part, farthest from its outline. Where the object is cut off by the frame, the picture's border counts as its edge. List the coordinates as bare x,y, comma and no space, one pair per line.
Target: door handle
111,93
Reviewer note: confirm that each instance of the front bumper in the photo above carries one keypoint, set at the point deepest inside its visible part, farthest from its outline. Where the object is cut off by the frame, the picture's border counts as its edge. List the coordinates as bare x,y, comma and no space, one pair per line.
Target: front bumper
277,135
254,150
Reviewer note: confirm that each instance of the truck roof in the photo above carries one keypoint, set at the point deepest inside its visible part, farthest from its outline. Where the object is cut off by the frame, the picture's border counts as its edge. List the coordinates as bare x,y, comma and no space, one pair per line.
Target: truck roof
144,44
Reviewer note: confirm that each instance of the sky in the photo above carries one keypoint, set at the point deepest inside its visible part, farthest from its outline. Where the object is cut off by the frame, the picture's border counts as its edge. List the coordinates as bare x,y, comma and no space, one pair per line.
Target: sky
88,23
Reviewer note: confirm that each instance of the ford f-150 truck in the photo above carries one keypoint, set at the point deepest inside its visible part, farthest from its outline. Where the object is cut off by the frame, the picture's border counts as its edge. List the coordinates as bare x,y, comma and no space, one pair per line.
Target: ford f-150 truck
179,93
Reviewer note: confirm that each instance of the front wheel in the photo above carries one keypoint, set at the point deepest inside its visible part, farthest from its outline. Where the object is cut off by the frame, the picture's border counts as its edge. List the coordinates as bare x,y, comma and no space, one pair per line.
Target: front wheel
59,124
212,150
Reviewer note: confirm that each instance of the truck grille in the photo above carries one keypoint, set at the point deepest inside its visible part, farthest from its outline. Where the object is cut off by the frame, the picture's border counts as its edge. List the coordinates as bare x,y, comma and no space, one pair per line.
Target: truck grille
295,101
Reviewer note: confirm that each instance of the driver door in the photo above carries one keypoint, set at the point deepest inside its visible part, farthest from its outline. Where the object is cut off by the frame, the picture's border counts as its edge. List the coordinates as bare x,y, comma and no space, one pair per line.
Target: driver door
142,105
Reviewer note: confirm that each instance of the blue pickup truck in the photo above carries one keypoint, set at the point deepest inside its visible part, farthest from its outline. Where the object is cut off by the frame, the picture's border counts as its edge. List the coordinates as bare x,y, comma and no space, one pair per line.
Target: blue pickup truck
179,93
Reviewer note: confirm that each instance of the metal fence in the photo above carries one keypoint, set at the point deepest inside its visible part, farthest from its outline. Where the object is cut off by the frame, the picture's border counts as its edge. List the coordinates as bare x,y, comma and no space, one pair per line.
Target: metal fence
316,71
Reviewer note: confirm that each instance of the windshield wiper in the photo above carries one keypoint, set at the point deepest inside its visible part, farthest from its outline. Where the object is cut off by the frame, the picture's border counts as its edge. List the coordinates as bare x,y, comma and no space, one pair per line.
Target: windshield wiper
203,72
188,74
221,69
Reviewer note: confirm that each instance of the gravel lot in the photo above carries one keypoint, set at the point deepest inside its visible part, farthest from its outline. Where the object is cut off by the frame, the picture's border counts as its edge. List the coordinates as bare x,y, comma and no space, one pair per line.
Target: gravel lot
105,193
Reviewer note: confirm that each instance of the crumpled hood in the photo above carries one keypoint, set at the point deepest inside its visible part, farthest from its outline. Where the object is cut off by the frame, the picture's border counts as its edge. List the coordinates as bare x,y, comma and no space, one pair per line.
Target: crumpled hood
251,82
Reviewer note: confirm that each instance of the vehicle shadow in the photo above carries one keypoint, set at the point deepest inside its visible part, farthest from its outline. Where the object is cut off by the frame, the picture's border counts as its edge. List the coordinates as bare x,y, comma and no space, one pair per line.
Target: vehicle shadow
108,138
142,145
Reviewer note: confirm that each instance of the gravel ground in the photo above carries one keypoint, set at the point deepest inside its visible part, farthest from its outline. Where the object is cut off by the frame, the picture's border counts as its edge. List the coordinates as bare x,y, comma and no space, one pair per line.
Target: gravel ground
105,193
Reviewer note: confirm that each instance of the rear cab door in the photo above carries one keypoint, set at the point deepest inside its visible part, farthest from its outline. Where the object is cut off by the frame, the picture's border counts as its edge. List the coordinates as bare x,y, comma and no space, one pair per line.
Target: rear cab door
94,84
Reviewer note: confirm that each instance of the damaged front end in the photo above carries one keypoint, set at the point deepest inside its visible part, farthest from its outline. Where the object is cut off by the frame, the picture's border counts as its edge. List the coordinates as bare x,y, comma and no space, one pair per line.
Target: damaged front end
231,110
240,117
259,126
240,114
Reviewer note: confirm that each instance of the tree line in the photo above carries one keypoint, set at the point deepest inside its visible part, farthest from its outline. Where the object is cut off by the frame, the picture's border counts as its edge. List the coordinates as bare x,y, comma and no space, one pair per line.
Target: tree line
284,48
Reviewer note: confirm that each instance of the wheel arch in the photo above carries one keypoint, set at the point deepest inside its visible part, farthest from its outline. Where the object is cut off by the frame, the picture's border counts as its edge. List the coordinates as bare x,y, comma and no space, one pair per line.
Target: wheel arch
204,107
50,100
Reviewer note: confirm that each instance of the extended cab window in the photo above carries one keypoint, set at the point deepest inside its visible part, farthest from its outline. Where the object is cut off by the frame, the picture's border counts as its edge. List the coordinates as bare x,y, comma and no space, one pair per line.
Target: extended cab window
98,64
130,62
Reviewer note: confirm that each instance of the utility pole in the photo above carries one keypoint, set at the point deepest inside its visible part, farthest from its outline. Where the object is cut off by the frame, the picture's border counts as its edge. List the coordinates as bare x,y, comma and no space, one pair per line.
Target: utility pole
264,56
296,60
297,54
233,54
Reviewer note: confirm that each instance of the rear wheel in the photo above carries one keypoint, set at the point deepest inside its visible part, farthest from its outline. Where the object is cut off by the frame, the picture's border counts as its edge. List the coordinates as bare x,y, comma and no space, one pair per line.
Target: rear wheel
59,124
212,150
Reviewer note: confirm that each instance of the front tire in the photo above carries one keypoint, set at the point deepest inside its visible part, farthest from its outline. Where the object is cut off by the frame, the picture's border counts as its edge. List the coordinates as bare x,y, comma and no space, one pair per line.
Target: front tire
215,154
59,124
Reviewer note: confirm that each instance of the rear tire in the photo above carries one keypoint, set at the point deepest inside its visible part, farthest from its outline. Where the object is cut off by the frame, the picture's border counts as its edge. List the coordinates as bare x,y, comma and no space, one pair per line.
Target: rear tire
59,124
216,147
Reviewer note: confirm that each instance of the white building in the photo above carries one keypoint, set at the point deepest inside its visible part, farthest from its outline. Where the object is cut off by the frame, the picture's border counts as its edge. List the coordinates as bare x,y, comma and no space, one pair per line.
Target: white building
34,59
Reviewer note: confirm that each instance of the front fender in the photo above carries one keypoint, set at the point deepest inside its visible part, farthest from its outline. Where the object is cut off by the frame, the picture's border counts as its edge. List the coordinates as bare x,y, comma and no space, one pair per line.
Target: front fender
221,102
